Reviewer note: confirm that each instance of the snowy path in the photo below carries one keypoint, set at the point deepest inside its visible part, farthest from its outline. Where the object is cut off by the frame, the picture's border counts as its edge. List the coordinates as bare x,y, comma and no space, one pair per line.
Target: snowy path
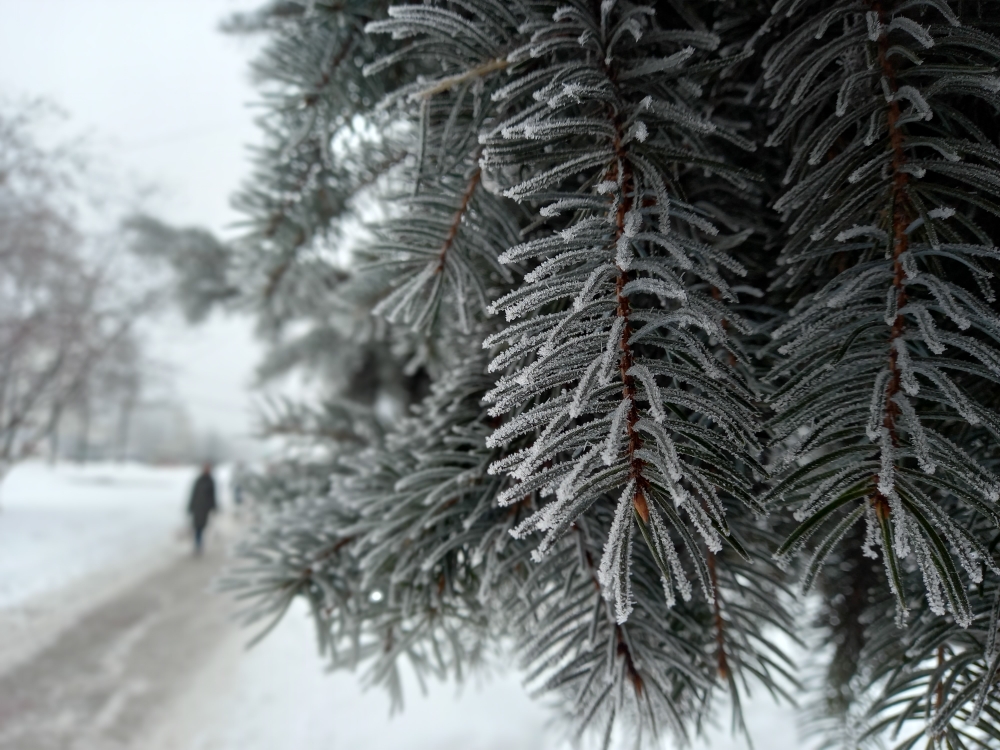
73,537
161,666
101,683
110,639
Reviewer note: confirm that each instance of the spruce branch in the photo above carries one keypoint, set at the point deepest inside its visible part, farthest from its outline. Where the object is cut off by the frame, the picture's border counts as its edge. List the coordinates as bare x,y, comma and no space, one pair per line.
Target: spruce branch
864,359
564,373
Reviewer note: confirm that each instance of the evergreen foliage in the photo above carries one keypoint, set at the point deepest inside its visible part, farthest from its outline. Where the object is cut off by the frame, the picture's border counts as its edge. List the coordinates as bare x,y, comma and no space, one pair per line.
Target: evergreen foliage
669,322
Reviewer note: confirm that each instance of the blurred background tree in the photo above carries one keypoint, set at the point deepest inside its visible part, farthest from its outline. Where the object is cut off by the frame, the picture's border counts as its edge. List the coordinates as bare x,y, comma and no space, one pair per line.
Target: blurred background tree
68,345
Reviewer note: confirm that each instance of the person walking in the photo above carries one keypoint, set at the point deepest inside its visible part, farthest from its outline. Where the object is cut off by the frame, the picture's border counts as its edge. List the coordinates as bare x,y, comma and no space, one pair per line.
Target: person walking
202,504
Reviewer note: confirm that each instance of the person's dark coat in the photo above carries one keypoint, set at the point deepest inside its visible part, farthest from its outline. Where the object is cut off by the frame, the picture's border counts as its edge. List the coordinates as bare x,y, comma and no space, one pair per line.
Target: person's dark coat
202,500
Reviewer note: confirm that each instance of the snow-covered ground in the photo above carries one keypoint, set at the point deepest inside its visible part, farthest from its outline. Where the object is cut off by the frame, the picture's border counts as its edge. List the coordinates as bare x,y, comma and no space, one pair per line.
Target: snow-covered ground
278,695
58,524
85,550
73,537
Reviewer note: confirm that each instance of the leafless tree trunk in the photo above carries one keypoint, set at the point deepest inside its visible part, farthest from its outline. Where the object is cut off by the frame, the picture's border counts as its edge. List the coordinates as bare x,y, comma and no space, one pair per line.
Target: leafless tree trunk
67,324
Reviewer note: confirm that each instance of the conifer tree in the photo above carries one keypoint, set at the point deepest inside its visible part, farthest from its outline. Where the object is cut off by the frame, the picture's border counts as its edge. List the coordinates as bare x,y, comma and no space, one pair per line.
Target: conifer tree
671,322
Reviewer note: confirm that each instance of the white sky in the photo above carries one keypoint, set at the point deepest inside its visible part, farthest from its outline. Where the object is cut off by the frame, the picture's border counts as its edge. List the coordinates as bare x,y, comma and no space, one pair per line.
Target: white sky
163,96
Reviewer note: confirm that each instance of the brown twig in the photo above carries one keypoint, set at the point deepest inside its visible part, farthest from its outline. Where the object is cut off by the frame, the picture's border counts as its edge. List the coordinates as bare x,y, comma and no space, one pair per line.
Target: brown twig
622,649
939,689
446,84
456,222
307,572
312,97
627,357
720,633
900,243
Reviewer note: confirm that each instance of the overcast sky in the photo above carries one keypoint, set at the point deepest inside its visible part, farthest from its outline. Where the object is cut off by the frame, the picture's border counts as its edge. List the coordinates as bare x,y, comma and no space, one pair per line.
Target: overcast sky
166,100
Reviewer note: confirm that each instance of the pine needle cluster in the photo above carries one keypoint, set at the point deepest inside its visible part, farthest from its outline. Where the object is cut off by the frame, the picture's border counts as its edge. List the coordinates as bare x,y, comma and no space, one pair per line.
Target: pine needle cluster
671,321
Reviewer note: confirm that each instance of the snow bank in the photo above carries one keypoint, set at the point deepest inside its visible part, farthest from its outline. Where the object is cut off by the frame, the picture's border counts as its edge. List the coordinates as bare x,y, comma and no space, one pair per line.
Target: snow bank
60,524
278,695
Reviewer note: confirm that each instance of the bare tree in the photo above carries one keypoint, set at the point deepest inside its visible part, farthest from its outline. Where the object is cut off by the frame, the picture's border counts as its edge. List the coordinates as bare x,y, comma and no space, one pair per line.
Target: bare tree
66,328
